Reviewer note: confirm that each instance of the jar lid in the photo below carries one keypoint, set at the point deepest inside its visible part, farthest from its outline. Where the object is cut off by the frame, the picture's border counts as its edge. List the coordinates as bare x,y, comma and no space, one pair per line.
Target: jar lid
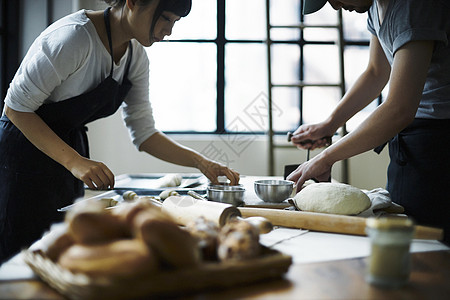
390,223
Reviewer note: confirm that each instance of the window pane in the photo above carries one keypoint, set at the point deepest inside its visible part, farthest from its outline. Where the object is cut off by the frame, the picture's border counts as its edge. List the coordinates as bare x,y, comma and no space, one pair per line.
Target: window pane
183,86
318,103
199,24
284,12
355,26
321,34
356,59
284,34
286,114
245,86
326,16
285,63
245,19
321,63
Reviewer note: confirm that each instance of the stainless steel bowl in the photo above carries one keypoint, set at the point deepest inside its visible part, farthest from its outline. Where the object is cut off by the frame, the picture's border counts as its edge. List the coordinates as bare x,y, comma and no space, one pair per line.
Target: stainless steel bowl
271,190
231,194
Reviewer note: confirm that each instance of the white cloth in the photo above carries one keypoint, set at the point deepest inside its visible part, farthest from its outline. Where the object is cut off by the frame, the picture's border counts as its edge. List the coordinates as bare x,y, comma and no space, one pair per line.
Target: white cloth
68,59
381,203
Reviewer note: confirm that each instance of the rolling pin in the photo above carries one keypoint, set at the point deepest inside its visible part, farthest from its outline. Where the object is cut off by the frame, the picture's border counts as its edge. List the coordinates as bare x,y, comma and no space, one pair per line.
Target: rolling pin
184,209
327,222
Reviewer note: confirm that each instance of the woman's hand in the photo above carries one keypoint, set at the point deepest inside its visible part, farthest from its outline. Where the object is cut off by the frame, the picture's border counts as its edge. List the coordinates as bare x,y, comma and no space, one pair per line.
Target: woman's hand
163,147
96,175
212,170
316,168
312,136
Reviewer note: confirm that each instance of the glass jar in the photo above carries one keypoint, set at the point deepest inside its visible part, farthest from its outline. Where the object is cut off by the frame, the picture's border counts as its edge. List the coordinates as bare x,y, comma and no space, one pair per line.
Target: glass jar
389,261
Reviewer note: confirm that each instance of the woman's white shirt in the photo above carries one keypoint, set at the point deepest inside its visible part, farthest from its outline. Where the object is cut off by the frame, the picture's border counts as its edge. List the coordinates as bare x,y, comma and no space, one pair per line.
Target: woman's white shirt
69,59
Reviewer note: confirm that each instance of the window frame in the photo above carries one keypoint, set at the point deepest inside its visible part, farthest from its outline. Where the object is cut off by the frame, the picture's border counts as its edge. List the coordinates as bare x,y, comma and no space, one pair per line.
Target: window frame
221,41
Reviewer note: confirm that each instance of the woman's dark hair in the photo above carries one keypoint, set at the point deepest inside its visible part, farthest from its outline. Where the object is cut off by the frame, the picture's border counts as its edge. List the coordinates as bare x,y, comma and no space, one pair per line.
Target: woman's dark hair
179,7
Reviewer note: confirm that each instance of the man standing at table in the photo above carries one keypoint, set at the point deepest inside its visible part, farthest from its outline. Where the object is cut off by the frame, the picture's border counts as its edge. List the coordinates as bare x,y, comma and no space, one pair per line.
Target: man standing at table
409,49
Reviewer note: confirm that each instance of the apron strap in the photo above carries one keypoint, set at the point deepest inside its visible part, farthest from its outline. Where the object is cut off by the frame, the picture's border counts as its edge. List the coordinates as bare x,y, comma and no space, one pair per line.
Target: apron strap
130,56
108,32
380,148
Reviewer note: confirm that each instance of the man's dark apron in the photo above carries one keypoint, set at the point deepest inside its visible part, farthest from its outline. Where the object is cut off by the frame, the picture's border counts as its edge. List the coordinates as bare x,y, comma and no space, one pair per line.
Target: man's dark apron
419,172
32,185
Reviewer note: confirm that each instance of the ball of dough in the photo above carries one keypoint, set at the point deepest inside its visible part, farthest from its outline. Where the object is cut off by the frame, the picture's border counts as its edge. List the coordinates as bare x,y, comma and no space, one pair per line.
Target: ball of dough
332,198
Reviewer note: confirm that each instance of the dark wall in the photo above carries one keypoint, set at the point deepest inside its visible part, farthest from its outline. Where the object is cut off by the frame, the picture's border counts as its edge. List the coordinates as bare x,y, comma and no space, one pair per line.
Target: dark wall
10,19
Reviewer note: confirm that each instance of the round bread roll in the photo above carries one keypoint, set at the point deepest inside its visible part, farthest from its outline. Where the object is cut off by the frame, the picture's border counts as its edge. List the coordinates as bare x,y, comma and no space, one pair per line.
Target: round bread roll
60,241
121,259
97,227
332,198
175,246
206,232
126,212
238,240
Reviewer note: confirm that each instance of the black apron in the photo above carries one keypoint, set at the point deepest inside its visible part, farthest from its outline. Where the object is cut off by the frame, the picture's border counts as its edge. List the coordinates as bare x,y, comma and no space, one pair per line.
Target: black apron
419,172
32,185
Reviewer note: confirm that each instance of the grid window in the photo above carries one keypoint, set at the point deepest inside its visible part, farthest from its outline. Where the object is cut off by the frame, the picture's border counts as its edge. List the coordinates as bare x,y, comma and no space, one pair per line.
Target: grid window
214,67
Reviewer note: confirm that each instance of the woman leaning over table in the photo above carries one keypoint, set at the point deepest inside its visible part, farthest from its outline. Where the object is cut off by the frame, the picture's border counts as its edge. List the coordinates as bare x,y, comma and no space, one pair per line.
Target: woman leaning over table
410,49
81,68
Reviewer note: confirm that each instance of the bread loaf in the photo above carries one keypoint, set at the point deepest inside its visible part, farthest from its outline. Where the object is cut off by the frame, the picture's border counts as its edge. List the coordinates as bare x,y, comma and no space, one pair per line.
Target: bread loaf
126,212
119,259
60,242
206,233
238,240
96,228
175,246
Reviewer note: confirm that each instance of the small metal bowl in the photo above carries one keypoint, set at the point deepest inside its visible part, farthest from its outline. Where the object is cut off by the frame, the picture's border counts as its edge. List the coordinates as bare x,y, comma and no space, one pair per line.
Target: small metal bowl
270,190
231,194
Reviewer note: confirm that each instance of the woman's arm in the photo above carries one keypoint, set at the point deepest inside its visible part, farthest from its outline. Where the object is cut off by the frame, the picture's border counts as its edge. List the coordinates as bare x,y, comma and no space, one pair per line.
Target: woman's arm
162,147
94,174
409,71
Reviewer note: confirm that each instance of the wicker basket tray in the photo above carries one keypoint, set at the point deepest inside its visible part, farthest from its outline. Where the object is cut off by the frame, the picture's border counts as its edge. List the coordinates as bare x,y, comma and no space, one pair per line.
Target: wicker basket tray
271,264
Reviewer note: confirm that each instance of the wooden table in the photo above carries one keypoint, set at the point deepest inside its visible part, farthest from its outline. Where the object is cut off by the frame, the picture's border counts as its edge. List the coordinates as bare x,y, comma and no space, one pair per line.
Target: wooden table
335,279
342,279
